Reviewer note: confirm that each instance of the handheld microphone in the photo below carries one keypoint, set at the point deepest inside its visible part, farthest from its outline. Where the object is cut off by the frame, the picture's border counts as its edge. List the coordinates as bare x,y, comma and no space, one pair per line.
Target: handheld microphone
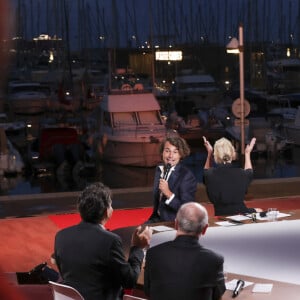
167,168
239,286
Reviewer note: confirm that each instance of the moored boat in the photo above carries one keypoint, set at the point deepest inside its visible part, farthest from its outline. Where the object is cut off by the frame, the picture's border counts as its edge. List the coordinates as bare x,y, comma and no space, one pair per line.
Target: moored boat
11,161
198,90
27,97
12,128
129,128
95,94
292,130
16,131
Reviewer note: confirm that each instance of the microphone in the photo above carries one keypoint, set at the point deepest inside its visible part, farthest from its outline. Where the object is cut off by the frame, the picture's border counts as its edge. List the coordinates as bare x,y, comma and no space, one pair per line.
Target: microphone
167,168
239,286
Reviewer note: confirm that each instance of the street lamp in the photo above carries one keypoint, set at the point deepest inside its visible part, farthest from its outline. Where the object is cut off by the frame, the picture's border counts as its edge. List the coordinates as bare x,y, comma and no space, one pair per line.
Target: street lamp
237,46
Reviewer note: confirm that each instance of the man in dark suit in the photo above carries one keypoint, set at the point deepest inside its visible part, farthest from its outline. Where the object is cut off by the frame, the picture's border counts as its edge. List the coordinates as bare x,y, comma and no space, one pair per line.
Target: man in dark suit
174,183
182,268
90,258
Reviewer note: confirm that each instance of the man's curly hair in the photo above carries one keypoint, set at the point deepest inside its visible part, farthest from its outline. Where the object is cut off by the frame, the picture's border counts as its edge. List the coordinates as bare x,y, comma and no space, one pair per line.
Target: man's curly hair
93,202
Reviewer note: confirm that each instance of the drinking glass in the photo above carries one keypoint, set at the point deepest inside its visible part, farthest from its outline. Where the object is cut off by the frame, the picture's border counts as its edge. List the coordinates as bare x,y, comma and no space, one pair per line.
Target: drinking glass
272,214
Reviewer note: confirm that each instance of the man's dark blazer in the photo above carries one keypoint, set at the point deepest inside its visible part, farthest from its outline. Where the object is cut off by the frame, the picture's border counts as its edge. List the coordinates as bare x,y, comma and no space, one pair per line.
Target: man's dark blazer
183,269
182,183
91,259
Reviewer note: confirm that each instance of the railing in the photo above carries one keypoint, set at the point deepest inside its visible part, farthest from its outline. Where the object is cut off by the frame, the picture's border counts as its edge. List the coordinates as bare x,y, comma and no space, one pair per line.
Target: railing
138,130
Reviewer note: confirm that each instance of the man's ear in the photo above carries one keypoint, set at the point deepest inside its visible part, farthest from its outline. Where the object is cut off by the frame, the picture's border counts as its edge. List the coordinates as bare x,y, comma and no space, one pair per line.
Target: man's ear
106,214
204,230
109,212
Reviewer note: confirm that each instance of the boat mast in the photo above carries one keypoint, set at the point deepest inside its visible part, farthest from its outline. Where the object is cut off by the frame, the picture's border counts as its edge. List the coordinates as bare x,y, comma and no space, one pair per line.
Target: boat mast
68,50
152,44
115,37
136,26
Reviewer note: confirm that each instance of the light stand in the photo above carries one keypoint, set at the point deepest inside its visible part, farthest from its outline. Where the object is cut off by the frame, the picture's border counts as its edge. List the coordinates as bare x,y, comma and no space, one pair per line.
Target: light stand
237,46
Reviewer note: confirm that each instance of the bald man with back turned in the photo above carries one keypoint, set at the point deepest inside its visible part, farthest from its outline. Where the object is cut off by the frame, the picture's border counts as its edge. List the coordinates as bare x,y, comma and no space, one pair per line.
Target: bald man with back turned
182,268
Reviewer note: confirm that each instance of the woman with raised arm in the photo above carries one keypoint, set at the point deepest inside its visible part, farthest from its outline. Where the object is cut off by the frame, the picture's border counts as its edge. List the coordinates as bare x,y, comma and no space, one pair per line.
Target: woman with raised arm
227,184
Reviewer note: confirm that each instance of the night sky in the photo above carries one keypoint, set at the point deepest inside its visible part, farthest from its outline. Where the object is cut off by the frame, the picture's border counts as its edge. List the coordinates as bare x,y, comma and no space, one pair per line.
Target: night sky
121,23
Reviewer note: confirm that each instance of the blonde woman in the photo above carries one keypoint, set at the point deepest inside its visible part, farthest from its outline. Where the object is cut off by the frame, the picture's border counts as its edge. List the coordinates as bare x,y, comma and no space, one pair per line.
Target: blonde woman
227,184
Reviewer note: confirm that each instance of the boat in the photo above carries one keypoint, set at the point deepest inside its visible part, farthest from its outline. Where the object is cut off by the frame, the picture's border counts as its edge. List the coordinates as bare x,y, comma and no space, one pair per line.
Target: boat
12,127
94,95
268,140
129,127
77,122
291,131
283,74
281,108
195,90
56,149
27,97
209,123
197,102
11,161
16,131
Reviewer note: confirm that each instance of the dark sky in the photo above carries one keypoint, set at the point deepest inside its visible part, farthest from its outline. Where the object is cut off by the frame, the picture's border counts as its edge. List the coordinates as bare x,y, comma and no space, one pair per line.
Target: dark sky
133,22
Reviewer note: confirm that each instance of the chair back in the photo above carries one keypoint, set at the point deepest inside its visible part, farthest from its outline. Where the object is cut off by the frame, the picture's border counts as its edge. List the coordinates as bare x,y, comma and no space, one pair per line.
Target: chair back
64,292
129,297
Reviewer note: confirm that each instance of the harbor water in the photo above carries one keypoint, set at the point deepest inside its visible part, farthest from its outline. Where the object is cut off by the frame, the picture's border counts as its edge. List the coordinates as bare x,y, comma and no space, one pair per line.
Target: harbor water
283,164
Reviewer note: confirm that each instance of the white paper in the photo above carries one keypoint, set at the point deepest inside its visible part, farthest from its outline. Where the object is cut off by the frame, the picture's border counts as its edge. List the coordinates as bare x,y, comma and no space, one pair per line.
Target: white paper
161,228
230,285
226,223
262,288
238,217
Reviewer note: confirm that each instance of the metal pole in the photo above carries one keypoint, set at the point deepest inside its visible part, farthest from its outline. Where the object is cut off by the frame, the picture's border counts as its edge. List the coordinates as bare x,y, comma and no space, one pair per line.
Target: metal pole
242,88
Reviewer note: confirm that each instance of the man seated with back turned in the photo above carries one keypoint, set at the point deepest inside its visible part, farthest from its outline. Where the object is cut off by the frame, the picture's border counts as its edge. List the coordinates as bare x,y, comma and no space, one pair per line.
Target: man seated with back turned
90,258
182,268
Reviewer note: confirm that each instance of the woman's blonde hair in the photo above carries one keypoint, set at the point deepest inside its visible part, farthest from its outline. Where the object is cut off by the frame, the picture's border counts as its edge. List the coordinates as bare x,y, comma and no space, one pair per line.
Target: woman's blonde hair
224,151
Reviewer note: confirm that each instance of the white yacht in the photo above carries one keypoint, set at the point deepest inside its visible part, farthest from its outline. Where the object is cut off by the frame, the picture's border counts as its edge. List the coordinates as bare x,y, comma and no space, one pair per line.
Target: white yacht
27,97
292,130
11,162
129,127
197,87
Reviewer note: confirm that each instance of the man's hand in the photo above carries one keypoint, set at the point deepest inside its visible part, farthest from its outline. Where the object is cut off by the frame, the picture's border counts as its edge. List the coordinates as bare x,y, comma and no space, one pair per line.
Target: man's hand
164,188
141,237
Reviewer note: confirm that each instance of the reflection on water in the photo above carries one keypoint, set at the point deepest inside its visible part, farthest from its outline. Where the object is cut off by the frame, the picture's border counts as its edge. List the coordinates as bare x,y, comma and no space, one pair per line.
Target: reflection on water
283,166
112,175
127,177
280,168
